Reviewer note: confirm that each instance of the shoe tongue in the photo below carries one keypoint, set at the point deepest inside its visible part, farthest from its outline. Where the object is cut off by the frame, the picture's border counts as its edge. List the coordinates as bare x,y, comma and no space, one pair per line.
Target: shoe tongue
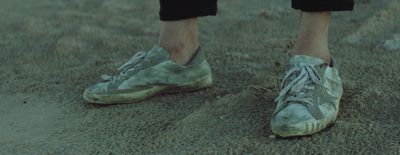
158,51
302,60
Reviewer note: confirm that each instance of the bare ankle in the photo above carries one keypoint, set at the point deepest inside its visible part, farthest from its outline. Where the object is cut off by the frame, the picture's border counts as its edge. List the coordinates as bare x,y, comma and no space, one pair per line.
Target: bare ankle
180,54
180,39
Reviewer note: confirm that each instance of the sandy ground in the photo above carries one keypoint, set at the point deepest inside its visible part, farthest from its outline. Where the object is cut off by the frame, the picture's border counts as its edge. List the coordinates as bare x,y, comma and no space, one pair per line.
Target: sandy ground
51,50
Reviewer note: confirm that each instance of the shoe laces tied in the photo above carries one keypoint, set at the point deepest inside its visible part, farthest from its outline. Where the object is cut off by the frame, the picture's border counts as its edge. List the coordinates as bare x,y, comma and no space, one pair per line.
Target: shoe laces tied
306,75
136,59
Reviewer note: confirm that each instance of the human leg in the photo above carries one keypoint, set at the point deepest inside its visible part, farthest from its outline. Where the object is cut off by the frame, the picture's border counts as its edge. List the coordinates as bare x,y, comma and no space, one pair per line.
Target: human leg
312,88
176,64
313,35
315,19
179,34
180,39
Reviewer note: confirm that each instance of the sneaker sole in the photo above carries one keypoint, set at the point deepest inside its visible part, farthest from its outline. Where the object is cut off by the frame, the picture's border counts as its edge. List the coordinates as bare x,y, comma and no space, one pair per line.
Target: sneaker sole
303,129
147,93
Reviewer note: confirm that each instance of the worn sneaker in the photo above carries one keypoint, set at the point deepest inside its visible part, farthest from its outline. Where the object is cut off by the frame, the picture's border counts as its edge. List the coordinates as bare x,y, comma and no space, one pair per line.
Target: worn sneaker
309,99
149,74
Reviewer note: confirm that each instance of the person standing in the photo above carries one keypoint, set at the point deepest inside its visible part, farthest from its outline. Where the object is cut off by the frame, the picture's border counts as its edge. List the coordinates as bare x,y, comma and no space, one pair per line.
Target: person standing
311,90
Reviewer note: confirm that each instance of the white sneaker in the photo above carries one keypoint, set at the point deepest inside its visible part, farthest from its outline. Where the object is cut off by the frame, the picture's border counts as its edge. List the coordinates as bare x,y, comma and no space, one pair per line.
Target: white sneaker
309,99
148,74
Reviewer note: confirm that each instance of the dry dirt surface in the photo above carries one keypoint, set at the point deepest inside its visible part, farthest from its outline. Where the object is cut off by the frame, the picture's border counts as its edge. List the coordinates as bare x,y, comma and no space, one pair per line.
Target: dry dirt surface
51,50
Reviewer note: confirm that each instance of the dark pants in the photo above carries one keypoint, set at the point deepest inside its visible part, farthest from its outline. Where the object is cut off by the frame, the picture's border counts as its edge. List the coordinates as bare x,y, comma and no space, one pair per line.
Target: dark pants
171,10
322,5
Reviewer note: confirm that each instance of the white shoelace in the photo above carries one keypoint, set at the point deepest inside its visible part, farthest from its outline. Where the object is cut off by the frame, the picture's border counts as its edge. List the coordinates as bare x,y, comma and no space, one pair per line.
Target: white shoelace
136,59
307,75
